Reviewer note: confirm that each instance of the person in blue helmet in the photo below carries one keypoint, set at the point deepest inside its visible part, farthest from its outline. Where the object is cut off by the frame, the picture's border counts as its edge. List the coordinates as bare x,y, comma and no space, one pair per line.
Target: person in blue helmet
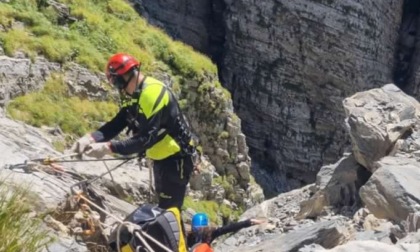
202,235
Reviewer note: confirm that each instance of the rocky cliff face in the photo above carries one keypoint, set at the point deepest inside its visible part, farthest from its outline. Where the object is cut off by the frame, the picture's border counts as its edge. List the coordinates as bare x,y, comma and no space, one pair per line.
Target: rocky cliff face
407,74
350,207
367,201
19,143
205,102
198,23
288,64
218,127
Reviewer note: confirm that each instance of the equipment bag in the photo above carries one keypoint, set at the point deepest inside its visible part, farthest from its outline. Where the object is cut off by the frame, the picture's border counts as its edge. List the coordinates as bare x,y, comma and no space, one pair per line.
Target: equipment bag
163,225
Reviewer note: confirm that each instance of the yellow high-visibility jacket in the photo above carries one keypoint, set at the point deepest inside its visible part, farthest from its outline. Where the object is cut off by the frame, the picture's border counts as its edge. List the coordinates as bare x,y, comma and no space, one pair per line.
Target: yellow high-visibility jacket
154,116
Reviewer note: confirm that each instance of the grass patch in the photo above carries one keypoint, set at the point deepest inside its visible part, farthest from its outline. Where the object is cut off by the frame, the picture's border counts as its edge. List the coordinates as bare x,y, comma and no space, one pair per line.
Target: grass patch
204,206
129,199
59,145
227,212
224,135
98,30
227,183
101,29
53,107
18,232
212,209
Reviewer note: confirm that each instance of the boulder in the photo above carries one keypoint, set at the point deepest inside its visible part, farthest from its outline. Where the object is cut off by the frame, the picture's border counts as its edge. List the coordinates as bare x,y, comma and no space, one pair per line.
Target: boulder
337,185
376,119
393,191
413,222
374,246
328,234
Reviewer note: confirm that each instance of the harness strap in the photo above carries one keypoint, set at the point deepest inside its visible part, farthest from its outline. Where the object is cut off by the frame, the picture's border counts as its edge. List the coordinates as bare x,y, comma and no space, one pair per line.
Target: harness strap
183,137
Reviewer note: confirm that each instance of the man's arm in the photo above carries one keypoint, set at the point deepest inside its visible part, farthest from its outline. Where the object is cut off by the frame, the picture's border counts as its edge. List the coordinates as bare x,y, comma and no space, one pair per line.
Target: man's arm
147,138
112,128
233,227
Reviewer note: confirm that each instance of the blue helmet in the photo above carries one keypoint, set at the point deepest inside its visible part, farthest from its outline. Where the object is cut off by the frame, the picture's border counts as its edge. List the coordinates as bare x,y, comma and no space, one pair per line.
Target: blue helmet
199,220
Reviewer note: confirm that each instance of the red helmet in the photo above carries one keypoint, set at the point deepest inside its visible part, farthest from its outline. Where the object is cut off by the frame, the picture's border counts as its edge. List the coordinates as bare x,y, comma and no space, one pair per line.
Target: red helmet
118,65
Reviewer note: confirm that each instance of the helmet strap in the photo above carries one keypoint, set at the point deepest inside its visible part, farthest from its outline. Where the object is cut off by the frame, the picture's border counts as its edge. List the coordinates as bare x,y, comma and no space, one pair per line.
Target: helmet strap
132,74
137,71
123,83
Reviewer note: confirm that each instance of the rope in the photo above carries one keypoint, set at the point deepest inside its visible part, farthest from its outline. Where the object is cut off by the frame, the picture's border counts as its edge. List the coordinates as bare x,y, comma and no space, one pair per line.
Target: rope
154,240
48,161
151,178
109,170
110,174
129,225
139,234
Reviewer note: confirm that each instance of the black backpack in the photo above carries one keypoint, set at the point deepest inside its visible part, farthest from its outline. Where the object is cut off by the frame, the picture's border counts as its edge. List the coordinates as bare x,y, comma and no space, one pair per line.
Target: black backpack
163,225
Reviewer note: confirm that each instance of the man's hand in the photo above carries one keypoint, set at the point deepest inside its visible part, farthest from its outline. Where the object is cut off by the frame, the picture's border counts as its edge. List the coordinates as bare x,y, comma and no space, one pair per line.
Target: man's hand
98,150
257,222
80,145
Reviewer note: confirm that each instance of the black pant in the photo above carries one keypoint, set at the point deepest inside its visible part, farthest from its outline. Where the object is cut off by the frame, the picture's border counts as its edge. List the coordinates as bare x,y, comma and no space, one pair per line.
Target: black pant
171,178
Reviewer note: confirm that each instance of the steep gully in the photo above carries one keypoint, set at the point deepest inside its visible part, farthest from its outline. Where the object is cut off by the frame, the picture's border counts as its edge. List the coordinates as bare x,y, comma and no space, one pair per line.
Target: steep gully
289,64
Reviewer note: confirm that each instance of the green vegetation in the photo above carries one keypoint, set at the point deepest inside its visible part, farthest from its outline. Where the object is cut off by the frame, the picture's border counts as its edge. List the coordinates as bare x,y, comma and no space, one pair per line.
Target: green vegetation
224,135
59,145
101,29
214,98
203,206
97,30
227,211
129,199
235,118
18,232
227,184
53,105
212,209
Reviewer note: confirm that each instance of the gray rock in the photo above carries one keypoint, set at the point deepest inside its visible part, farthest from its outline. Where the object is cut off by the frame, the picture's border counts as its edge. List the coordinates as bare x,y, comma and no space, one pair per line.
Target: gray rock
67,244
19,76
328,234
411,238
20,143
374,246
311,248
83,83
380,236
280,72
413,222
393,190
338,186
283,63
279,213
201,181
376,119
